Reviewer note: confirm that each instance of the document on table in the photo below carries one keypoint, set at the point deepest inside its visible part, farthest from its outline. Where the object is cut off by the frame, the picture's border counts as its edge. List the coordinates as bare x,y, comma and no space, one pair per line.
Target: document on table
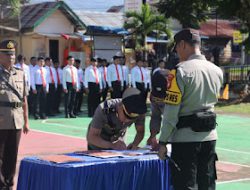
60,159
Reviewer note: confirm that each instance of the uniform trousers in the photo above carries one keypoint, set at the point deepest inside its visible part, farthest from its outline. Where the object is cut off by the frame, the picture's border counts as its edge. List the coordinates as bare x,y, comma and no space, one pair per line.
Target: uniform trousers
157,109
93,98
58,97
40,97
31,101
50,99
197,163
117,89
78,102
69,99
9,142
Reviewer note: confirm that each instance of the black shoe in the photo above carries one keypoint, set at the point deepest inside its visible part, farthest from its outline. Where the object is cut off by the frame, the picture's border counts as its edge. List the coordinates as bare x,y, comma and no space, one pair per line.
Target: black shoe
36,117
44,117
72,116
67,116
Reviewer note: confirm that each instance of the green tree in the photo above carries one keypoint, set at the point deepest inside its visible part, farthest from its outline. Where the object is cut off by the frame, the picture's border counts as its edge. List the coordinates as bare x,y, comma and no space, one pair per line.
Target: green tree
237,10
190,13
14,4
141,24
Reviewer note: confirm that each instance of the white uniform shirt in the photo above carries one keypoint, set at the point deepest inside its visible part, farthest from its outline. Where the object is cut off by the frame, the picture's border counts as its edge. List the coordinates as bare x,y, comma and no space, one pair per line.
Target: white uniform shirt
113,74
37,76
68,78
80,76
148,77
53,72
60,75
138,74
104,75
26,70
125,74
91,77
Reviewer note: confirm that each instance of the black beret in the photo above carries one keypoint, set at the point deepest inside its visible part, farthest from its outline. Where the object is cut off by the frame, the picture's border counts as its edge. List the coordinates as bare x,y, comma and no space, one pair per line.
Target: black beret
134,103
159,84
8,46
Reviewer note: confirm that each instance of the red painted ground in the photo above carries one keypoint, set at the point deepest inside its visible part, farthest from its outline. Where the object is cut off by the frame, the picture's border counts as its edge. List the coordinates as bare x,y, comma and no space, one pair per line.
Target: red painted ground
38,143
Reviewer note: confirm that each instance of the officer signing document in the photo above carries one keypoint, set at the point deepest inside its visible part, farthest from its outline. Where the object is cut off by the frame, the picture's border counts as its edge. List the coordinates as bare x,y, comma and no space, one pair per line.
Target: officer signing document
112,118
189,121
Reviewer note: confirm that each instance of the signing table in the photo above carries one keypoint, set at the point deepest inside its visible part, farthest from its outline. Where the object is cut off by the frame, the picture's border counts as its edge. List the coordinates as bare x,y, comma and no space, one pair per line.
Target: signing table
140,172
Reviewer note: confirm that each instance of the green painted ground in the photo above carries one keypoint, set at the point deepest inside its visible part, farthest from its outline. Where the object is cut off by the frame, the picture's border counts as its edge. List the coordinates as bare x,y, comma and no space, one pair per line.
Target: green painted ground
233,144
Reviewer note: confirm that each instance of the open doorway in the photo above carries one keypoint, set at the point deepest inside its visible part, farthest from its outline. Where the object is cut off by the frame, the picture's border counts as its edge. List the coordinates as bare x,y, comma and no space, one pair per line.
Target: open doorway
54,50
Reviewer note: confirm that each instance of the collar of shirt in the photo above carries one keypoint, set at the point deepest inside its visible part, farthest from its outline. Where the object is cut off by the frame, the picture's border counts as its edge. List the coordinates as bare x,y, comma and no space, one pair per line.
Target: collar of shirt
197,56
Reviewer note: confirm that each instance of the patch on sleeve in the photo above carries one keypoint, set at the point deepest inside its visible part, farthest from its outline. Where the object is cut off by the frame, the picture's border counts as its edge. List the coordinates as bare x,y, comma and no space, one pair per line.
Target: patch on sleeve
173,93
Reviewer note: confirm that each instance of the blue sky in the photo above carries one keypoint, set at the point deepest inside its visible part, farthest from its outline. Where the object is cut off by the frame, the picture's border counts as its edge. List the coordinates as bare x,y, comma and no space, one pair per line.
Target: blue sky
92,5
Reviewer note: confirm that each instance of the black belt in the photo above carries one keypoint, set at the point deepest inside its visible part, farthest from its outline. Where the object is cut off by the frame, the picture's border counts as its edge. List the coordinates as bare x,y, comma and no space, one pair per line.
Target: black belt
11,104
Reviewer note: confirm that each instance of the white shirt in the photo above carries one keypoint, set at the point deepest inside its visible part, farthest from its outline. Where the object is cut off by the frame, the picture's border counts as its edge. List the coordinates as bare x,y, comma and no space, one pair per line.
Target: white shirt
80,76
53,75
60,75
148,77
26,70
91,77
125,73
68,78
112,74
37,76
104,75
137,74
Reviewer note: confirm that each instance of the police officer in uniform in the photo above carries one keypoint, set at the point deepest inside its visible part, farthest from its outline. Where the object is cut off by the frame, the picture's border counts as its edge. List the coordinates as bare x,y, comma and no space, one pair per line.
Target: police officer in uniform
13,112
157,95
113,117
189,122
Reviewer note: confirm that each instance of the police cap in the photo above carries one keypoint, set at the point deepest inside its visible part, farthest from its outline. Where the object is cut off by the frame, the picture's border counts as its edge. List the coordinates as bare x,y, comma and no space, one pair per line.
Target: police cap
133,103
8,46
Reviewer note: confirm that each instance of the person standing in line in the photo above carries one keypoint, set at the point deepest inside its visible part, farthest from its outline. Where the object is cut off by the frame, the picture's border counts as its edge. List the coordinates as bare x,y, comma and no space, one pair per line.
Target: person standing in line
115,79
125,71
138,77
33,63
93,85
13,112
52,79
79,94
104,71
40,86
59,89
147,78
189,121
70,87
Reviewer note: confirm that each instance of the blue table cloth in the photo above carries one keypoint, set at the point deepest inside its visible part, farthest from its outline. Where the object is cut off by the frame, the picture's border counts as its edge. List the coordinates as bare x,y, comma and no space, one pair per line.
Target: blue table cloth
145,172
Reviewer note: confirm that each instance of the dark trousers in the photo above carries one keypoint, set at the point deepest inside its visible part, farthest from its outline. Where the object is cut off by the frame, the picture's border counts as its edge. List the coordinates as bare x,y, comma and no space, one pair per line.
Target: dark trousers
31,101
93,98
40,97
78,101
141,86
50,99
105,92
197,163
9,142
58,97
69,99
117,89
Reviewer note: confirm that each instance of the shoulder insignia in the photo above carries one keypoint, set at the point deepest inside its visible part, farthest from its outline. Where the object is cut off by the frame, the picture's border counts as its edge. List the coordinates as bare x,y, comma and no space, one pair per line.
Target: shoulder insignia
173,93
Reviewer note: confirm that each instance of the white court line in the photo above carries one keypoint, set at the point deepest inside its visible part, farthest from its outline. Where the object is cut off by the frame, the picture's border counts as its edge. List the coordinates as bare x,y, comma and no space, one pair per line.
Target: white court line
58,134
62,125
236,151
233,181
236,164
